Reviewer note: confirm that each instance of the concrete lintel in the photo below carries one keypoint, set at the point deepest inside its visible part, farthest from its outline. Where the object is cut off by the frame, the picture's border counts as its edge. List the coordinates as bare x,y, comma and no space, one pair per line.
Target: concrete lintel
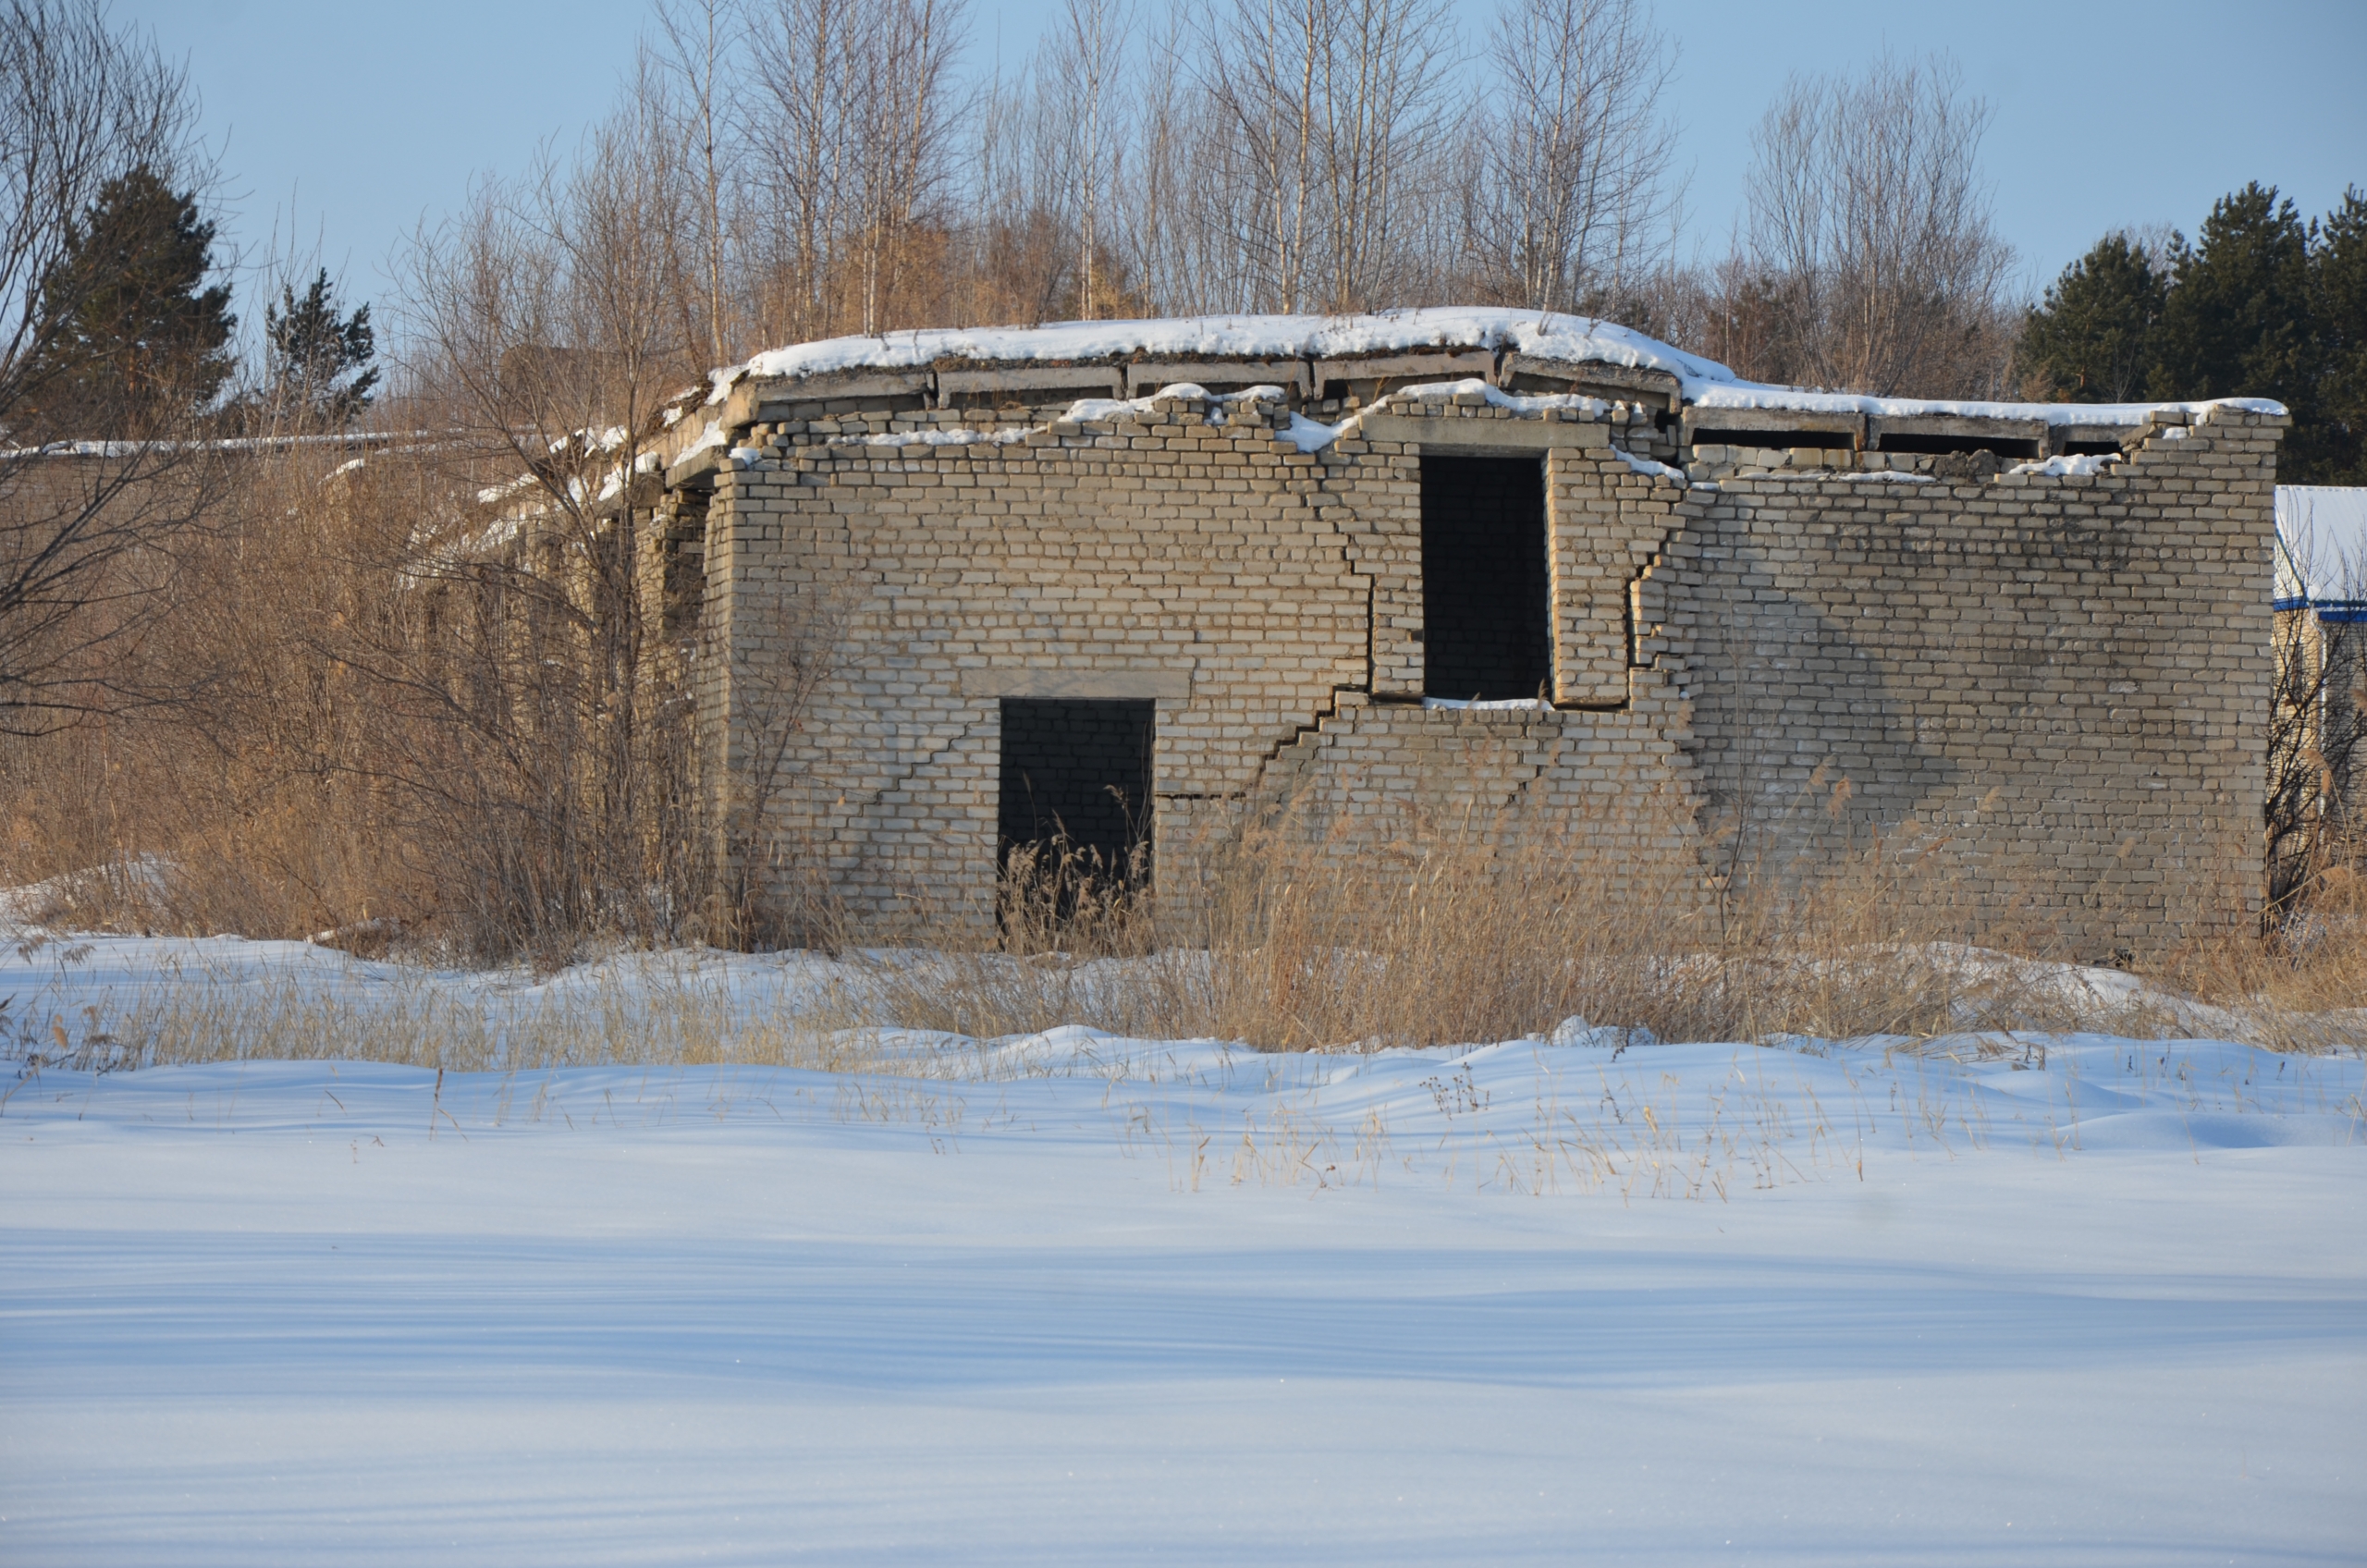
1165,685
645,492
776,397
1592,372
1954,425
695,472
2118,435
1109,381
1443,364
1517,436
1149,376
1785,420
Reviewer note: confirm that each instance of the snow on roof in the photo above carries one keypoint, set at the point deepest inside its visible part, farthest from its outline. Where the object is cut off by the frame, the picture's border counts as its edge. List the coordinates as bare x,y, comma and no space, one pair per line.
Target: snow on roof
1571,340
2321,550
1578,338
78,448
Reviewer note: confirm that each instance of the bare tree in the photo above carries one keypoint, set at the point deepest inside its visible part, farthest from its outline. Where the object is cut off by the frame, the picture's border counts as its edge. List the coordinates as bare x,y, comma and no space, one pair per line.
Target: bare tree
851,130
1869,214
904,142
1167,110
1087,63
798,126
1572,196
1386,114
543,326
86,531
699,33
1020,255
1332,113
1051,219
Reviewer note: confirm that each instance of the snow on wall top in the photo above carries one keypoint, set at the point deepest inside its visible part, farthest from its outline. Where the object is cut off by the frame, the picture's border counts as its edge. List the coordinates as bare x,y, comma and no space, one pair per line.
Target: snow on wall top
2321,550
1546,335
1759,395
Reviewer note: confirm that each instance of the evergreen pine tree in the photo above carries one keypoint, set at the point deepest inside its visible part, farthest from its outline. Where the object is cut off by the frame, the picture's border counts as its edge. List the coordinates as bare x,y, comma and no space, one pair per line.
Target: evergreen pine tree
134,339
320,364
2334,450
2238,320
2092,339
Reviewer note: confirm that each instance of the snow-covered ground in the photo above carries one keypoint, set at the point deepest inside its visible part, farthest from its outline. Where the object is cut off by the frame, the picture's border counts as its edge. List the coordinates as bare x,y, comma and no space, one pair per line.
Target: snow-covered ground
1073,1299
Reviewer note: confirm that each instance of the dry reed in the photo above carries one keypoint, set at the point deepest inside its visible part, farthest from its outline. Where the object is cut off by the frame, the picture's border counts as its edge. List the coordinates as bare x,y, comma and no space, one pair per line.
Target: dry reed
1291,941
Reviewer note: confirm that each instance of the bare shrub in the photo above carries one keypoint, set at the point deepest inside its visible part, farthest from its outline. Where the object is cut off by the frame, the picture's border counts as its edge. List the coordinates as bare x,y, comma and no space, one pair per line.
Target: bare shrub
99,484
512,643
2301,986
409,730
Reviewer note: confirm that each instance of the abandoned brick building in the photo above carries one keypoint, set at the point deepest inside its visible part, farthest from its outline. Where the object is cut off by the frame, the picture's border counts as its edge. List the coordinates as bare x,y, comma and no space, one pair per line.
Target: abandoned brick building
1468,571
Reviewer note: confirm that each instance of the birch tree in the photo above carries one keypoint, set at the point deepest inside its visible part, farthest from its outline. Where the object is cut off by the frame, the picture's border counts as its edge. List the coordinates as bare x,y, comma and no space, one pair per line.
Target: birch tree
800,129
698,36
1089,64
1572,196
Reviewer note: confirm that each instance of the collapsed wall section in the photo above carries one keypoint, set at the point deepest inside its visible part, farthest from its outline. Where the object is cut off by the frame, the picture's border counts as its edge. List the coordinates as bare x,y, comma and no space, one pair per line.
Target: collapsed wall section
1605,777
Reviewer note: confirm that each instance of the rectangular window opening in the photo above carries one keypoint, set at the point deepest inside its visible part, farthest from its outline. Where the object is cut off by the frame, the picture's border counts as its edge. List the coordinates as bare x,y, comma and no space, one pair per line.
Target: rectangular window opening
1487,611
1076,779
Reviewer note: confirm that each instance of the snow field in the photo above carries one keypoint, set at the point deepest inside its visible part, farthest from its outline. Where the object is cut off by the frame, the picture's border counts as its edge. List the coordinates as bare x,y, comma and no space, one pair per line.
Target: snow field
1070,1298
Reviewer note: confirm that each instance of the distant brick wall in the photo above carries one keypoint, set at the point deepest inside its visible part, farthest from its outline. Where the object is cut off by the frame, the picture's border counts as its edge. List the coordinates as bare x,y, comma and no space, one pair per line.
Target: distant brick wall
2067,675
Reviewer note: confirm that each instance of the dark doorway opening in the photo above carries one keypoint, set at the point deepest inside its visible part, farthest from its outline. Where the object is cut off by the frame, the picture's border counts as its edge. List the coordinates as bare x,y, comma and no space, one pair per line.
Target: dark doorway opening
1076,772
1486,617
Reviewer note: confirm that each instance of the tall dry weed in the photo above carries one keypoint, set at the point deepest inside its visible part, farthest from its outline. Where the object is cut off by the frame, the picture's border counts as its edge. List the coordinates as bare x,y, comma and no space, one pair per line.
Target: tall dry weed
1289,940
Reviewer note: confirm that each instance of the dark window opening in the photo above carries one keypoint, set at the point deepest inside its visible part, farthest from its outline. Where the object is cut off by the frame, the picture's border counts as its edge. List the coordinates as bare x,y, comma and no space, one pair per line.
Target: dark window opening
1487,615
1941,446
1076,776
2090,448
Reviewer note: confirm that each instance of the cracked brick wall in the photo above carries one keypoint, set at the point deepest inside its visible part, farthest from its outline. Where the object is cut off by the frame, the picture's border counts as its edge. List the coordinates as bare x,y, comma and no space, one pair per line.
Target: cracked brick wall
2061,682
2058,671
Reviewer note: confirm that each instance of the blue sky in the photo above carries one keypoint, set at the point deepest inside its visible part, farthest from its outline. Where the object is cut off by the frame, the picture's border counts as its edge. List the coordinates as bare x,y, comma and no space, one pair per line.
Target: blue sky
364,120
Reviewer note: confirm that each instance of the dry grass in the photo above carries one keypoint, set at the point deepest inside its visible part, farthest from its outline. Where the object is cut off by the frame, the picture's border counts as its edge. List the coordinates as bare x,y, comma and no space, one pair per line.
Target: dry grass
1275,934
1292,943
1285,941
2303,987
652,1013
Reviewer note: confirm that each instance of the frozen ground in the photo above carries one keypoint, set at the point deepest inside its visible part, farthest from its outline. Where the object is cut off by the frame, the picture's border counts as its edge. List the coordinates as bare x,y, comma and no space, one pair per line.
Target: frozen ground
1072,1299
